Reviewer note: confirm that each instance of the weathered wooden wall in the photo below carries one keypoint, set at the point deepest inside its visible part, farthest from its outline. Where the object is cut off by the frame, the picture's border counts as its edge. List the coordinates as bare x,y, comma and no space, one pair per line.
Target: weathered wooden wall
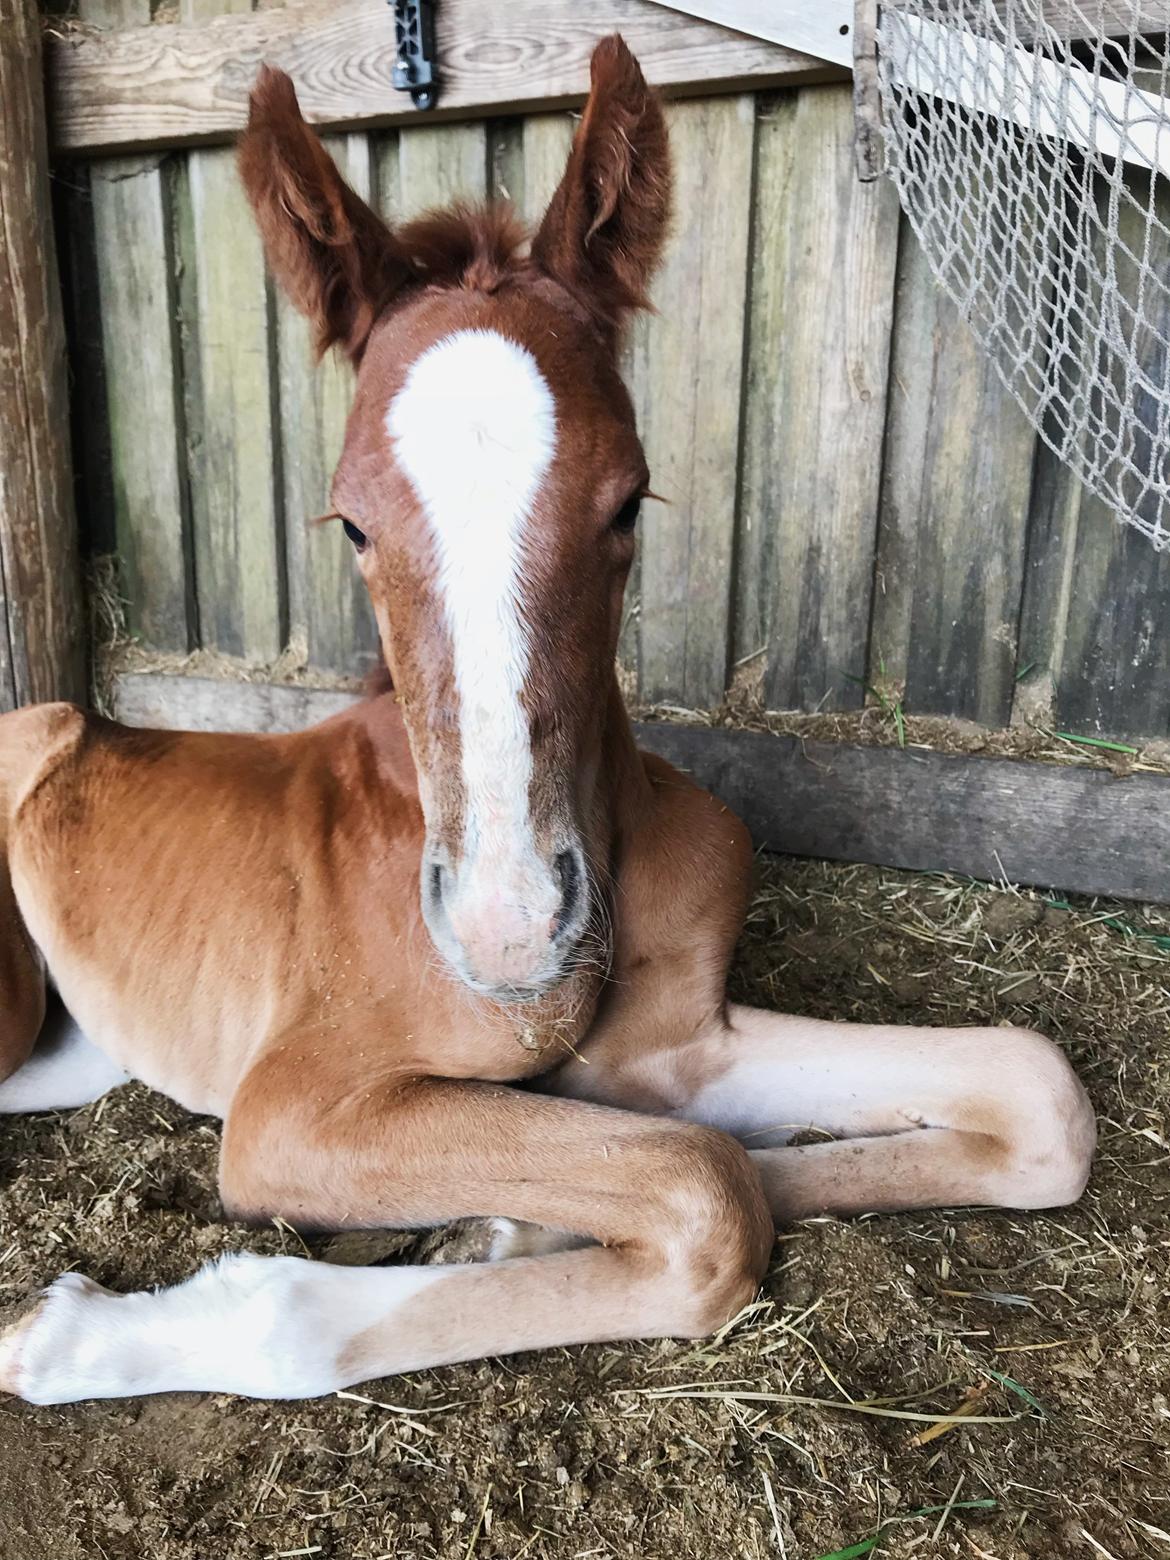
42,649
854,498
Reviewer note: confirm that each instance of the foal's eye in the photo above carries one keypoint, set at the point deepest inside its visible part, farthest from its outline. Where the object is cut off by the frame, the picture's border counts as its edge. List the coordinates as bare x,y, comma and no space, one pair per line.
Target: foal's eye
358,538
627,516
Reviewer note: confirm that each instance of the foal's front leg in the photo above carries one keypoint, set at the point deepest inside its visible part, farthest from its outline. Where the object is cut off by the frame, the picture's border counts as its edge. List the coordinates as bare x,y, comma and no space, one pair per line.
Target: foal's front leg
681,1227
909,1117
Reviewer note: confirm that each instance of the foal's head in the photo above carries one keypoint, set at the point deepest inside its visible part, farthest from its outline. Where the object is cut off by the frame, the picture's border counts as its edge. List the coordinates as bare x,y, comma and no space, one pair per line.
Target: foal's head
490,482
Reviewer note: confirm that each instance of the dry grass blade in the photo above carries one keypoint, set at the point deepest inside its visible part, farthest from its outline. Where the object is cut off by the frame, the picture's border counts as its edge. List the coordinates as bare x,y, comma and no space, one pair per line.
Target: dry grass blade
771,1499
803,1401
963,1414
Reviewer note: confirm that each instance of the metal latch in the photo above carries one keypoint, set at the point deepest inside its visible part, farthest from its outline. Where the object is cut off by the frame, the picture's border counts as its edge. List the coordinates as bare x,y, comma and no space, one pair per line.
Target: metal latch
416,68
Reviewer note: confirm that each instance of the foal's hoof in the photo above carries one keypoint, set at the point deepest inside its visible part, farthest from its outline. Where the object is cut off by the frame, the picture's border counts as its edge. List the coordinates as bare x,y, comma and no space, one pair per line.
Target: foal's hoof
12,1339
21,1340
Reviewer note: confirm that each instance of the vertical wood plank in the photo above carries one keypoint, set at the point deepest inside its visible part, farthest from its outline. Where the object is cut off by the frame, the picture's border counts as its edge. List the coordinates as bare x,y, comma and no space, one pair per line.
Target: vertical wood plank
330,620
1093,638
441,163
235,484
822,290
41,618
387,190
137,310
8,700
139,337
505,157
686,369
88,419
546,142
953,514
1097,598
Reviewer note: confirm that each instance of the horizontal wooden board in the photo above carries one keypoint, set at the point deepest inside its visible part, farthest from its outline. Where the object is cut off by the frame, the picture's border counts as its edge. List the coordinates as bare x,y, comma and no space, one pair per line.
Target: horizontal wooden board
171,703
1082,830
1079,830
170,84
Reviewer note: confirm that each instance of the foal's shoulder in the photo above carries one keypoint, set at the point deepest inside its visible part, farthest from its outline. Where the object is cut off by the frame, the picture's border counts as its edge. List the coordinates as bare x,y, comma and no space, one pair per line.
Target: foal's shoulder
683,810
689,856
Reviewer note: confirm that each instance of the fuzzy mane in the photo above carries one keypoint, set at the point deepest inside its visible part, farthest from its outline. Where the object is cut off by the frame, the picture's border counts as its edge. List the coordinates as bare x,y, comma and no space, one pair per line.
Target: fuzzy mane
464,245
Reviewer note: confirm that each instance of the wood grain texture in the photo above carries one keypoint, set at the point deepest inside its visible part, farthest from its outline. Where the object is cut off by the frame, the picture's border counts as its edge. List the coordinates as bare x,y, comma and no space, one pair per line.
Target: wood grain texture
41,618
822,291
1079,830
167,85
1093,635
174,703
1097,597
505,155
547,139
438,164
137,304
686,369
234,447
330,620
93,492
953,513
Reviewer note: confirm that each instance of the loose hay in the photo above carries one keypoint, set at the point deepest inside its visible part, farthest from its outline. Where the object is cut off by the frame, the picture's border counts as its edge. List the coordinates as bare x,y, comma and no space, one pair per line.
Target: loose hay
970,1384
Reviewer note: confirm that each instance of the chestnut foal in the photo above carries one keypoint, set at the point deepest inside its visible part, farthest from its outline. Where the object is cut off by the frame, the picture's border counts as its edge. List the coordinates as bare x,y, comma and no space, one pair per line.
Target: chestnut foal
354,943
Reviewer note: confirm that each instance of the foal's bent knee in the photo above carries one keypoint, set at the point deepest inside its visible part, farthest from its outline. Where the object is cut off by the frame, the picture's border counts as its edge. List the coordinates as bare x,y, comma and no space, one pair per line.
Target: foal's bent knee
717,1230
1050,1132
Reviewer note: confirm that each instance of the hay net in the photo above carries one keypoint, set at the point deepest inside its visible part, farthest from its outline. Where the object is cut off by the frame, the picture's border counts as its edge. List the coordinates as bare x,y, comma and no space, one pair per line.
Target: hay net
1030,144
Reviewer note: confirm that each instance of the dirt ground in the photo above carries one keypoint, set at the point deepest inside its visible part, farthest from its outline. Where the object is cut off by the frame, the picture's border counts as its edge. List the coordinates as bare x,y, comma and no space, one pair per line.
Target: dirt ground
811,1427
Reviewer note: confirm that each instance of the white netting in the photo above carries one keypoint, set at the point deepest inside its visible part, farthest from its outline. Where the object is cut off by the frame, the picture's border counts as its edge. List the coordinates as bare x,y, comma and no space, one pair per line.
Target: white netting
1030,144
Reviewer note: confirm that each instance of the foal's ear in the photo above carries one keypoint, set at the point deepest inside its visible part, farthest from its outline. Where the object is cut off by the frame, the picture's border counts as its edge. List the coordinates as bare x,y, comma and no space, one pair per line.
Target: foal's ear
336,260
603,232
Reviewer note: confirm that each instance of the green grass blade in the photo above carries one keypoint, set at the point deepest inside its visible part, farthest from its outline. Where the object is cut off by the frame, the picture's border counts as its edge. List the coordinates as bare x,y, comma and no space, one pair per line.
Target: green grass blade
959,1505
1011,1385
1097,742
864,1548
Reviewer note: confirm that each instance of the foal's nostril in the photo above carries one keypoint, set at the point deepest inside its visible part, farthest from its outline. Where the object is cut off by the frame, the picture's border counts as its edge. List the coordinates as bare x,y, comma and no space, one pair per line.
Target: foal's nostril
436,885
569,870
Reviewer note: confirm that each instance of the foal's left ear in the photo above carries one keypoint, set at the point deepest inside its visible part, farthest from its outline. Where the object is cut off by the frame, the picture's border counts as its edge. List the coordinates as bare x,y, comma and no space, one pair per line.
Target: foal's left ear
338,262
603,232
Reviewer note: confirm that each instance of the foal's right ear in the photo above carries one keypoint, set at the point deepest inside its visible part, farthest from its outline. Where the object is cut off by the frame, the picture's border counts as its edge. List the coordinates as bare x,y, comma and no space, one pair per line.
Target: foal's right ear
337,261
603,232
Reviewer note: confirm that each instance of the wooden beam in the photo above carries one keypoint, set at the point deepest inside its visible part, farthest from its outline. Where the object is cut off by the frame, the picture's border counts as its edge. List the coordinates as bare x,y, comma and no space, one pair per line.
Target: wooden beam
170,84
41,621
1080,830
169,702
133,276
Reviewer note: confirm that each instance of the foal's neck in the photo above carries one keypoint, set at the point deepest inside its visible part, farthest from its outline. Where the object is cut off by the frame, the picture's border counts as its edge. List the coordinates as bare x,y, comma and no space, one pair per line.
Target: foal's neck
624,788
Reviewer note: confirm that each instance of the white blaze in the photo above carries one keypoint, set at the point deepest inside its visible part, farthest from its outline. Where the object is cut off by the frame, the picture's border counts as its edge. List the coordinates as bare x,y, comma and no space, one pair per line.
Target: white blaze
474,428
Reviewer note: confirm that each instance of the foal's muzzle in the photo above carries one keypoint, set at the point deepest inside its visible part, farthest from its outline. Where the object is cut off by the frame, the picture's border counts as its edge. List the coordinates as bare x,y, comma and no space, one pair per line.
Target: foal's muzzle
508,927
